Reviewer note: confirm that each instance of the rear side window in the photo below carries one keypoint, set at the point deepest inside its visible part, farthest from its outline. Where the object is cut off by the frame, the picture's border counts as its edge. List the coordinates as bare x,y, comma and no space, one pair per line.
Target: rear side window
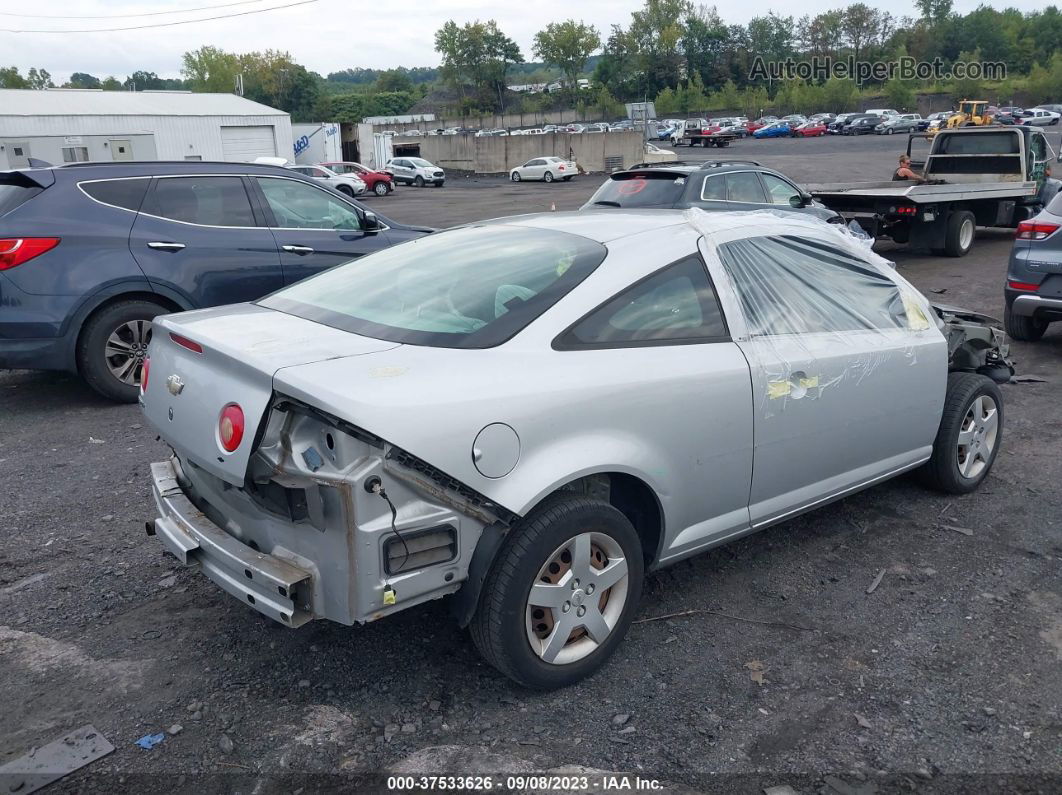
12,196
675,305
209,201
794,285
646,189
125,193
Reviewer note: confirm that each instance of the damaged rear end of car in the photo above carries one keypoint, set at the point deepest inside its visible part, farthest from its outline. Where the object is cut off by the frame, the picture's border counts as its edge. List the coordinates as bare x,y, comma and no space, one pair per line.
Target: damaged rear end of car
308,516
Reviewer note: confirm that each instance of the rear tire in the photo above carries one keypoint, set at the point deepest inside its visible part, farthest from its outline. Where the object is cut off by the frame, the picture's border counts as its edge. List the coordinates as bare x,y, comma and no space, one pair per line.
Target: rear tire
113,342
1020,327
958,239
547,177
507,620
973,412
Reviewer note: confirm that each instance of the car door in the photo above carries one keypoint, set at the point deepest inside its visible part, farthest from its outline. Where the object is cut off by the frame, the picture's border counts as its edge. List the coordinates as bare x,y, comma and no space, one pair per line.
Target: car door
669,329
313,227
849,374
400,169
200,237
535,168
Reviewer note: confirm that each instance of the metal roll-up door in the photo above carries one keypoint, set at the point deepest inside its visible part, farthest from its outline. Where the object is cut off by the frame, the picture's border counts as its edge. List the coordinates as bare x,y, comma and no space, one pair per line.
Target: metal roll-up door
244,144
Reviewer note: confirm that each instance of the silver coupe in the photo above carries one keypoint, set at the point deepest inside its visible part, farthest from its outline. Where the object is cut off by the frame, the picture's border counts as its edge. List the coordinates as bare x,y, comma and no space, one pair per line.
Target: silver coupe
526,415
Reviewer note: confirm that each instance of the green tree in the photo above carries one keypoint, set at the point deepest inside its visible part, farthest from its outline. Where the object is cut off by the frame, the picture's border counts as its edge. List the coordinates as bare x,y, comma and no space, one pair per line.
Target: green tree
10,77
83,80
111,84
39,79
144,81
606,105
477,55
394,80
840,95
210,69
567,45
656,31
666,102
900,94
694,98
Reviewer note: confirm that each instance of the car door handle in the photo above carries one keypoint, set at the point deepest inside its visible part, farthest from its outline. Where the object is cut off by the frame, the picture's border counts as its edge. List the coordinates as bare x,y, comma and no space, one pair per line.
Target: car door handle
160,245
298,249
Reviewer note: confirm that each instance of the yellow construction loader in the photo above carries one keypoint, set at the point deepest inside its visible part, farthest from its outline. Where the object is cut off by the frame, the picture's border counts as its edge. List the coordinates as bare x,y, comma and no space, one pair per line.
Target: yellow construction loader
971,113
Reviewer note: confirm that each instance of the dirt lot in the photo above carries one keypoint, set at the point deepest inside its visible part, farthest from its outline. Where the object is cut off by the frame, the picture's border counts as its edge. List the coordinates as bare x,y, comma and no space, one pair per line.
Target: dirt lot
947,678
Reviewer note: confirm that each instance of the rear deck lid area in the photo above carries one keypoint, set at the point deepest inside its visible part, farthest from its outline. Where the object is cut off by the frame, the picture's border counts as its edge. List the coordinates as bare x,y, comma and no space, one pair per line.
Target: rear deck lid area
202,361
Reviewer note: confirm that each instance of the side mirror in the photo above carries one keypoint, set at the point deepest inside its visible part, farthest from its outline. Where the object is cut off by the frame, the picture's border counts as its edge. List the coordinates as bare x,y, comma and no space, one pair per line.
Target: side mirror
370,222
799,200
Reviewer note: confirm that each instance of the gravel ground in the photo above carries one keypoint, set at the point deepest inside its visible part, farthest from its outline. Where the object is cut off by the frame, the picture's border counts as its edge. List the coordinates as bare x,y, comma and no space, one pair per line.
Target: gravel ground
781,670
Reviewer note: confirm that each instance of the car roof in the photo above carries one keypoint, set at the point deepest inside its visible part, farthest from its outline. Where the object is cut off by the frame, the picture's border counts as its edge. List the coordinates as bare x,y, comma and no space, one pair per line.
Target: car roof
143,168
599,225
687,167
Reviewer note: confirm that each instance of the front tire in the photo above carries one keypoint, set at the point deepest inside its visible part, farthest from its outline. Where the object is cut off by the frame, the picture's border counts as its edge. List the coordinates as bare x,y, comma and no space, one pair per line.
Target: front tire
112,347
1023,328
515,176
561,593
380,188
419,181
970,433
346,190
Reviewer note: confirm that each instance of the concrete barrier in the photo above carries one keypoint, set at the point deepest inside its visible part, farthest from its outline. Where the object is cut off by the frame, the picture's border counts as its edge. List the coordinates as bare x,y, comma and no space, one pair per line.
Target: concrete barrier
498,154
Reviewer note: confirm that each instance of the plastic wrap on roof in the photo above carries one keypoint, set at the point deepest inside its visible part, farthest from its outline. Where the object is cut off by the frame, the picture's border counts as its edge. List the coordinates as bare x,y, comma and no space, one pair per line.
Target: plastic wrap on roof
820,307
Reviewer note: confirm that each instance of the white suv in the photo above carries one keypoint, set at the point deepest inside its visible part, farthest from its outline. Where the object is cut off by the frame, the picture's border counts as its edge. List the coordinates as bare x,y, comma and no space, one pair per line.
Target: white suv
415,171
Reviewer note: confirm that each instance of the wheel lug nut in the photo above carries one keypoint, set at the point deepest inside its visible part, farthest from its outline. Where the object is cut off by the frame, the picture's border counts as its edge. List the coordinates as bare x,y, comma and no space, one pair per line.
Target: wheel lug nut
567,606
581,612
590,588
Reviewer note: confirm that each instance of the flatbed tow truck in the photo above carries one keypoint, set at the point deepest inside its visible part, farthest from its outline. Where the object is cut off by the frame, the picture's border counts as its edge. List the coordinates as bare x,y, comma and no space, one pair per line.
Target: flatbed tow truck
973,176
692,135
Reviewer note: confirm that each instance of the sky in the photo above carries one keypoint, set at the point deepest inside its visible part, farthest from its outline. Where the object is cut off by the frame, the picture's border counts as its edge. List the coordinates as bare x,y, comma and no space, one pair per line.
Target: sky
323,35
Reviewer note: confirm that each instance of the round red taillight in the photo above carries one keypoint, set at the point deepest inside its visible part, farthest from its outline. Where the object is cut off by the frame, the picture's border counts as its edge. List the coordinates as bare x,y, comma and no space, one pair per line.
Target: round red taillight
144,375
230,427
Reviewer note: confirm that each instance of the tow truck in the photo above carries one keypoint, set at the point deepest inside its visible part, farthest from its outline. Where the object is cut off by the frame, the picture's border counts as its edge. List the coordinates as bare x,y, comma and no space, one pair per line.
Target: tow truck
972,176
694,132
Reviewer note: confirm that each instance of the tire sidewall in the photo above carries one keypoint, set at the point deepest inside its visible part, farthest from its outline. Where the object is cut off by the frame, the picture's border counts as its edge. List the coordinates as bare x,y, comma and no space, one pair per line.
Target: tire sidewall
946,444
93,341
547,177
377,189
601,518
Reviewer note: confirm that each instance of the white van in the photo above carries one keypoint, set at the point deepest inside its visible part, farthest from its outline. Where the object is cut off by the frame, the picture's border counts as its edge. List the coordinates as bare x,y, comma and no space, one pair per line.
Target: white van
882,112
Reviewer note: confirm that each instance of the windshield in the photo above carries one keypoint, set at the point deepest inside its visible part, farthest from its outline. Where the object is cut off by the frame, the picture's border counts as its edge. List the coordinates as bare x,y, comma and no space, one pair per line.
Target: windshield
473,287
644,189
419,162
346,168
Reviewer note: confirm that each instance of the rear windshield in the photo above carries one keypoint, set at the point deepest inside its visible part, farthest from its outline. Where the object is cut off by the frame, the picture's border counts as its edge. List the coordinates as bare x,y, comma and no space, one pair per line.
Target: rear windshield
11,196
646,189
473,287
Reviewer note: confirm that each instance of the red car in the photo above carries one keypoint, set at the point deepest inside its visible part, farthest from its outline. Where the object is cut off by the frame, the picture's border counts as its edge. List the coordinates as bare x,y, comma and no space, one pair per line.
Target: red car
809,129
379,182
762,122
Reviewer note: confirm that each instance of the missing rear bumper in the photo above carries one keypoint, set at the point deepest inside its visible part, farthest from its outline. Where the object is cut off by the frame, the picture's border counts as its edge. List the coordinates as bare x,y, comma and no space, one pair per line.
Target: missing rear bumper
272,586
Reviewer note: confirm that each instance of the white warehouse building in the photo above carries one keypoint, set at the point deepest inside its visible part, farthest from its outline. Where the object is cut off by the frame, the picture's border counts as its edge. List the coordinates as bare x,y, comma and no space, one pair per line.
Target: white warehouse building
72,125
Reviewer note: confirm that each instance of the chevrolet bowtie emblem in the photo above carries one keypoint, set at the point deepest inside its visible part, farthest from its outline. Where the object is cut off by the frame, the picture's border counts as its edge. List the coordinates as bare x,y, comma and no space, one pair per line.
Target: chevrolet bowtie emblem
174,384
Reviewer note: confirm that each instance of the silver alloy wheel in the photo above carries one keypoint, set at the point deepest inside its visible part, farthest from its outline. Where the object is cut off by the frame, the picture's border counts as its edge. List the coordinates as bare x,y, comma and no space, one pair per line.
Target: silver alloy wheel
977,436
126,350
966,234
380,188
577,598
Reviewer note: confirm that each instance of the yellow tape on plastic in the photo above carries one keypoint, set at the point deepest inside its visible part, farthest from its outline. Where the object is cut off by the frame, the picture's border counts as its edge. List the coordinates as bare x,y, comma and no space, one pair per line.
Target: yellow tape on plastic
777,389
916,318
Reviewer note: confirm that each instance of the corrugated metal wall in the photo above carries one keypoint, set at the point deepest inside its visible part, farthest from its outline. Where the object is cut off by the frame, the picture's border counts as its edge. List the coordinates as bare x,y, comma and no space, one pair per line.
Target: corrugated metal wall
176,137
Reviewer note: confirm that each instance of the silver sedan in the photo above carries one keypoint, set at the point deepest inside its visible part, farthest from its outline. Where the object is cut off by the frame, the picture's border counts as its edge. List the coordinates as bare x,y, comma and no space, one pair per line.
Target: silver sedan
527,415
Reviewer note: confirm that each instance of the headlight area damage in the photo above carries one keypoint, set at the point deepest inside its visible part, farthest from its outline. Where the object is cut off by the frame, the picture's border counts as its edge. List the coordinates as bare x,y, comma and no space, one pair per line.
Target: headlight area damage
332,522
976,343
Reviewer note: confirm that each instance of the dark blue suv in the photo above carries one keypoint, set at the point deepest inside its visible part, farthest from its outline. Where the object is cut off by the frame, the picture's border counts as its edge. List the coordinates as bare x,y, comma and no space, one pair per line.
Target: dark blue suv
90,253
